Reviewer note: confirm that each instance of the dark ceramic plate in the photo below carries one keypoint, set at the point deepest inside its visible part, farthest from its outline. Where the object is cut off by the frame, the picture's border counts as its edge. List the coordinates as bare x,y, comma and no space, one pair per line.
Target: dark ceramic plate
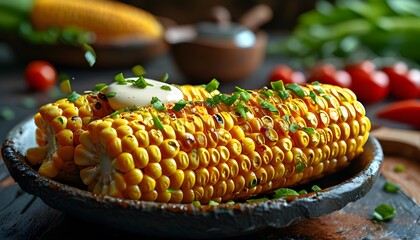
184,220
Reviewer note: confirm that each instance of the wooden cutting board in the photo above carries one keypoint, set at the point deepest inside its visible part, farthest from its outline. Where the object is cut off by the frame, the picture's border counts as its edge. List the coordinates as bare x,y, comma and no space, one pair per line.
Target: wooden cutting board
401,148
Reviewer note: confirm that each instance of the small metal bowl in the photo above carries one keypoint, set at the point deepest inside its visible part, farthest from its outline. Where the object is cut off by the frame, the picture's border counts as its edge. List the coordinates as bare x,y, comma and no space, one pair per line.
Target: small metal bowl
184,220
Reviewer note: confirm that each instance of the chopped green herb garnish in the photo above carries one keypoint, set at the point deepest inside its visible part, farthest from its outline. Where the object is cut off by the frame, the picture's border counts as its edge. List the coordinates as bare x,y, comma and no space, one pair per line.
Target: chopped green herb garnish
277,86
286,117
170,190
60,119
6,113
267,93
285,192
73,97
179,105
213,203
29,102
241,109
391,187
65,86
384,212
212,102
126,109
110,94
138,70
326,96
268,106
280,89
99,87
229,100
141,83
230,202
283,94
296,89
313,96
196,203
120,79
243,94
309,130
213,85
300,166
158,123
90,54
165,77
399,168
302,192
166,88
157,104
293,127
317,87
316,188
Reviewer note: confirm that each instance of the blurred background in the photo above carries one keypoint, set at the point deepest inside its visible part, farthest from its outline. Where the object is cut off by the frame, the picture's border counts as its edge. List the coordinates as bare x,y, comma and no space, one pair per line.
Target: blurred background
285,13
369,46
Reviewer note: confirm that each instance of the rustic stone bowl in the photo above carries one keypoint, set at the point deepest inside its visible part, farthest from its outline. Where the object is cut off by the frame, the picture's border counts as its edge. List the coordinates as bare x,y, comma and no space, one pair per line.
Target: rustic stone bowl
184,220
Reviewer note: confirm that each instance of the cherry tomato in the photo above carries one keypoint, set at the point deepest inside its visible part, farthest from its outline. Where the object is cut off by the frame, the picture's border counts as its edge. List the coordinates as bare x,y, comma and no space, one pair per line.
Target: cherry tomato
369,84
286,74
405,111
404,82
328,74
40,75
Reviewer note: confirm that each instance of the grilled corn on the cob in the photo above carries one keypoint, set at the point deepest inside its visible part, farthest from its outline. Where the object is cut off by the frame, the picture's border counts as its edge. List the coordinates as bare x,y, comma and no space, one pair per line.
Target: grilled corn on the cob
227,147
59,125
107,19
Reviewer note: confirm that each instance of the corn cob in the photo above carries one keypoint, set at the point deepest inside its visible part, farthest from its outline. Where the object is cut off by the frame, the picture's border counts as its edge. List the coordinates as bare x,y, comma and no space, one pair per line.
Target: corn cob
107,19
222,150
60,123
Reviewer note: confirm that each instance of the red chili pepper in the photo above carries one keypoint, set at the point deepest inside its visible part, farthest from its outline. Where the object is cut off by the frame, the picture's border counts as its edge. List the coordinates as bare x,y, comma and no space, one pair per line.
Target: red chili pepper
404,111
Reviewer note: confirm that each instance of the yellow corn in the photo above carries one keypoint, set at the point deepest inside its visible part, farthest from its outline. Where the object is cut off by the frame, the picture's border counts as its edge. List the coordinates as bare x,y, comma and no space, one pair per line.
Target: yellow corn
223,152
107,19
59,125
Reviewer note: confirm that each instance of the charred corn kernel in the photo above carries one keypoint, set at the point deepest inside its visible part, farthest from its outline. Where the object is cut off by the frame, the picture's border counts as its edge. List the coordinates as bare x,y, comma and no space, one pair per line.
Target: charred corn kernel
215,153
107,19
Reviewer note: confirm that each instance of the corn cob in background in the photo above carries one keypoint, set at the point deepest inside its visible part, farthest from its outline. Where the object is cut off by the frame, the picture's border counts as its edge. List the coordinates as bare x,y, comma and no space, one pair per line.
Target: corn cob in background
60,123
106,19
227,147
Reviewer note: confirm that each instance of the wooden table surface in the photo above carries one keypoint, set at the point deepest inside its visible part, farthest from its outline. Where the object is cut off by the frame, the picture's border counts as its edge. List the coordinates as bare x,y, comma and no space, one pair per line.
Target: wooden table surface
23,216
